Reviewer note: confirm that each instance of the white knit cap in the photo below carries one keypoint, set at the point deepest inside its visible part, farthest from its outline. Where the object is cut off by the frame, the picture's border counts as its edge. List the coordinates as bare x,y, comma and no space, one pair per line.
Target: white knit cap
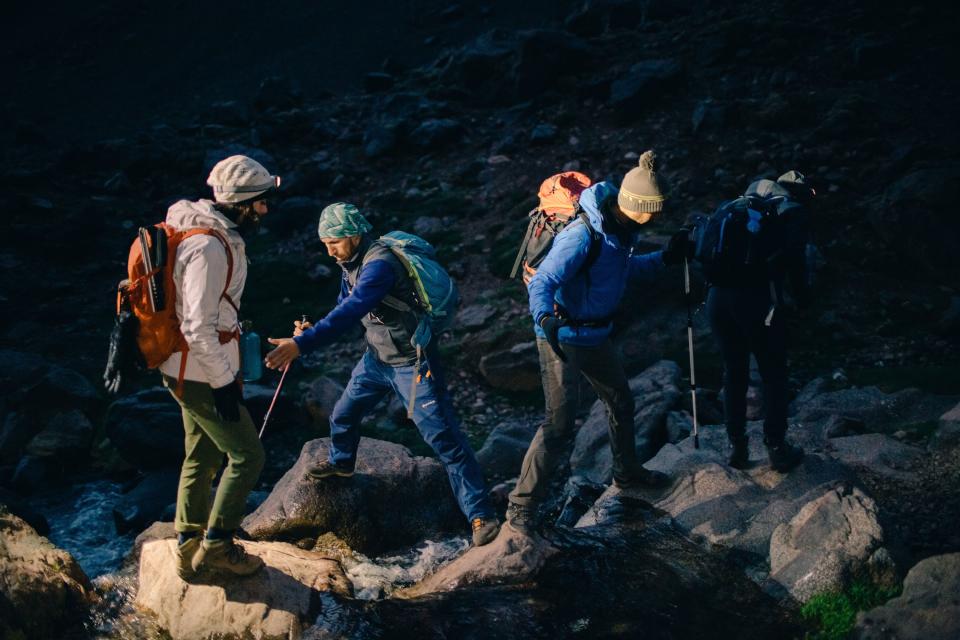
240,178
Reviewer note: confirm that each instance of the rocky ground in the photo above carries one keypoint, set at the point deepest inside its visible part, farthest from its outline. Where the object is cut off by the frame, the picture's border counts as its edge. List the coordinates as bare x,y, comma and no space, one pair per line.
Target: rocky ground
452,145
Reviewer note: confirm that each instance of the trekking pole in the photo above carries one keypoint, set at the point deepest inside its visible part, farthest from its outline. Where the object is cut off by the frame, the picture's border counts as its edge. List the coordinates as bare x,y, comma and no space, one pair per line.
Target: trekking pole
276,394
693,378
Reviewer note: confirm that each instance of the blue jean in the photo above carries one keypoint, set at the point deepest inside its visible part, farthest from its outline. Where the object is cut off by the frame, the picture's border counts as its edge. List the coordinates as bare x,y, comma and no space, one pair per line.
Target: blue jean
433,414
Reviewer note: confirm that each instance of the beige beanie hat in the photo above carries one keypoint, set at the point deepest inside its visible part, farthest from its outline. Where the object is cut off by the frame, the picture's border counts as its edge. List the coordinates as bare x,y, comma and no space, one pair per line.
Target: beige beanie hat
640,190
240,178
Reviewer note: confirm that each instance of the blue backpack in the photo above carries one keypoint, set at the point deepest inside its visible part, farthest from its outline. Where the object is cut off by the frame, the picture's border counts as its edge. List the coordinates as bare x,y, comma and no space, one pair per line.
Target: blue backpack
434,291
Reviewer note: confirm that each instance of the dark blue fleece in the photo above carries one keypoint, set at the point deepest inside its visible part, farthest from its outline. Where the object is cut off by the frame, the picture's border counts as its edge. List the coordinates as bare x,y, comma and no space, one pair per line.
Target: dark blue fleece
375,281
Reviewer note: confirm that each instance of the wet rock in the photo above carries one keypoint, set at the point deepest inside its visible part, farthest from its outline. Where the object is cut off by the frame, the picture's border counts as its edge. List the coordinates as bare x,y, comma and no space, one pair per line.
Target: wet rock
276,602
436,132
511,558
475,316
514,369
321,396
949,427
145,503
43,593
928,607
580,495
20,507
656,394
17,431
147,429
394,499
833,540
503,450
643,84
876,452
66,439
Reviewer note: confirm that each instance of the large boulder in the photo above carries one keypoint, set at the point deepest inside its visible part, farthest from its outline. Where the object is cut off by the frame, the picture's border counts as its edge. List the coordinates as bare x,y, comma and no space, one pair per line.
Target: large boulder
43,591
513,369
394,500
147,429
876,452
275,603
503,450
146,502
949,431
833,540
512,557
928,608
656,393
66,439
321,395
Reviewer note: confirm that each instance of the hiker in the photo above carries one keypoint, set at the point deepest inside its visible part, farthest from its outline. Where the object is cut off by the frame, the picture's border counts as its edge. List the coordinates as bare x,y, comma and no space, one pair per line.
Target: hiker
573,296
377,292
209,274
744,303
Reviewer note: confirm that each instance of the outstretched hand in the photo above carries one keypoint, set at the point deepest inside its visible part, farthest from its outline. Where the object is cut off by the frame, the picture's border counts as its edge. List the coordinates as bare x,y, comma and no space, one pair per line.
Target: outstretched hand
286,352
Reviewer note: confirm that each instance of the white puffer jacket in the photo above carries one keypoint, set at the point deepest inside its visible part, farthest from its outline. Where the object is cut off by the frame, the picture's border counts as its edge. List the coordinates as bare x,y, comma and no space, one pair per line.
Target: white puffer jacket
200,273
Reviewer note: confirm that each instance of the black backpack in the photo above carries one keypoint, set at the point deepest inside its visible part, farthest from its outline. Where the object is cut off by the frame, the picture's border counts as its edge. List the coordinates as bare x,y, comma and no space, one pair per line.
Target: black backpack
740,244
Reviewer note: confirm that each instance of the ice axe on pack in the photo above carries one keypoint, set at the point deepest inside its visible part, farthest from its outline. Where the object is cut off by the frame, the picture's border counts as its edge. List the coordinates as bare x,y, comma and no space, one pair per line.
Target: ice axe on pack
276,394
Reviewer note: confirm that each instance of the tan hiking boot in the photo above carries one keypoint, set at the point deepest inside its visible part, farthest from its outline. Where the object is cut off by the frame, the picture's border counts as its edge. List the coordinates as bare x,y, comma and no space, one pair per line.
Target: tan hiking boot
484,530
185,553
225,556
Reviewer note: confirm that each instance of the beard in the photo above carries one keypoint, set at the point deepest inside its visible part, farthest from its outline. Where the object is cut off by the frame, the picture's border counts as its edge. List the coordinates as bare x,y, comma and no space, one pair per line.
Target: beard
248,223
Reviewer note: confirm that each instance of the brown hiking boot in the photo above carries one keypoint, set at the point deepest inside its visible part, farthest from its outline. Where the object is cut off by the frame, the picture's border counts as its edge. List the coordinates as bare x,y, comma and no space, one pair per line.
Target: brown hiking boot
484,530
225,556
327,469
185,553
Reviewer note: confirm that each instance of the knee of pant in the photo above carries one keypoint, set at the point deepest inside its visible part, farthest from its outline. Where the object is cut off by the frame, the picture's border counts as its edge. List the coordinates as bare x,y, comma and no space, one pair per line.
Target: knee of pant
252,458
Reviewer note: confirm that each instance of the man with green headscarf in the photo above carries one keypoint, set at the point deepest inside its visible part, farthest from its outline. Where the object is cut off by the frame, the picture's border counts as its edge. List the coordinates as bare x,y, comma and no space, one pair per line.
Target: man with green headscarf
374,282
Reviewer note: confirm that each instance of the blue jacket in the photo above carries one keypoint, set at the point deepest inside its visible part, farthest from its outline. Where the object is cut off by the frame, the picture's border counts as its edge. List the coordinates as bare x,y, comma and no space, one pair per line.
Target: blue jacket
591,294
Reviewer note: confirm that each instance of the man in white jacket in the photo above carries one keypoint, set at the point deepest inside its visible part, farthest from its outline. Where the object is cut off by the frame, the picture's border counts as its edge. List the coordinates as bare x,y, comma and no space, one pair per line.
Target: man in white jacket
210,271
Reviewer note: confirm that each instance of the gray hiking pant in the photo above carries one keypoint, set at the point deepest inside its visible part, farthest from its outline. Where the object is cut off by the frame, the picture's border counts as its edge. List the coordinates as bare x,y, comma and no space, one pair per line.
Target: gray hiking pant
601,366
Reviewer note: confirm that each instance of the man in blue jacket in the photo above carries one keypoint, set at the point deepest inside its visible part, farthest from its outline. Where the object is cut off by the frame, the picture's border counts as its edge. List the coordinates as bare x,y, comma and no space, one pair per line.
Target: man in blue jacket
373,282
573,297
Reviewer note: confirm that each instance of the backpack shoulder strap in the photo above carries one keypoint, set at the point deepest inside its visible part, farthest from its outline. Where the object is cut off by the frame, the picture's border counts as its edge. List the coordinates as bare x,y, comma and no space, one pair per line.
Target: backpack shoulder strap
226,247
376,251
522,253
595,242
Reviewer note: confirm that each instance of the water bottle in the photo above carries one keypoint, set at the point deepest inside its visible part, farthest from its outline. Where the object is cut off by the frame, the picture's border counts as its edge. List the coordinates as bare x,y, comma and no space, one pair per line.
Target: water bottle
252,362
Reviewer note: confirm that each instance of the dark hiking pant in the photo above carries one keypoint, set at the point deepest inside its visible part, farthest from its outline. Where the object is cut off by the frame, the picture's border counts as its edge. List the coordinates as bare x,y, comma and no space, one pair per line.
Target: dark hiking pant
737,319
602,368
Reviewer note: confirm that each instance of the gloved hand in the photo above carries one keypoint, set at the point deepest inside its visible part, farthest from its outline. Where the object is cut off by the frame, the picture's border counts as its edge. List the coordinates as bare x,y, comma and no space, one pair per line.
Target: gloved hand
123,356
227,401
551,327
678,247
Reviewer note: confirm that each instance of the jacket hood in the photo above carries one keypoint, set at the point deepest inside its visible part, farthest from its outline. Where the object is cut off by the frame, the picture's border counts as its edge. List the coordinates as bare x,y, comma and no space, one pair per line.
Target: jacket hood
591,200
185,214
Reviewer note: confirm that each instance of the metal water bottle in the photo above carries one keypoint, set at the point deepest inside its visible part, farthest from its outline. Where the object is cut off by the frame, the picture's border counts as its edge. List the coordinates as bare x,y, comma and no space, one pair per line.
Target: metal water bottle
250,358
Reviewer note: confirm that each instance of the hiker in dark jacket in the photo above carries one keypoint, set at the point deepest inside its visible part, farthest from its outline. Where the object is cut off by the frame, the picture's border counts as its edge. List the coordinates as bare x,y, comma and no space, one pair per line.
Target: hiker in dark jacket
371,273
572,309
739,306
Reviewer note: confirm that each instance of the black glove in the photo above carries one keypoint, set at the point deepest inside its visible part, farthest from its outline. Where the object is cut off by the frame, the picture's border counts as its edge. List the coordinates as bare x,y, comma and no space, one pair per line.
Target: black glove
551,327
679,247
123,356
227,401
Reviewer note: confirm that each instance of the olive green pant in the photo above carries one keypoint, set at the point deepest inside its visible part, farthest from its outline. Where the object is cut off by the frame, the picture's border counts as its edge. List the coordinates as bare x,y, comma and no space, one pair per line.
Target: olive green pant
207,439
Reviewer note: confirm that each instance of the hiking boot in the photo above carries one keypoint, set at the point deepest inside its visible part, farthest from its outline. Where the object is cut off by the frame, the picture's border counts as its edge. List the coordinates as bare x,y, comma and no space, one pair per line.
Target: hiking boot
484,530
740,456
327,469
642,478
185,552
784,456
522,519
225,556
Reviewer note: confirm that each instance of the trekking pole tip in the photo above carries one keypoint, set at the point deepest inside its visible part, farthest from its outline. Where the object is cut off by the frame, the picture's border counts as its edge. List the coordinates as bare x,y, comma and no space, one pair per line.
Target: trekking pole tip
696,442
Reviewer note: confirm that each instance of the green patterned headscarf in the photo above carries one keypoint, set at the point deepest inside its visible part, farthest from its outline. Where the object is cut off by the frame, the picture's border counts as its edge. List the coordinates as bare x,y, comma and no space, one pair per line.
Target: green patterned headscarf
342,220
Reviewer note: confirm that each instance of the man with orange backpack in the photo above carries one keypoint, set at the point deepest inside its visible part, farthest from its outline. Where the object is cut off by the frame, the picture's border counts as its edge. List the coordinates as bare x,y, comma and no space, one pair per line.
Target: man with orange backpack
209,271
573,295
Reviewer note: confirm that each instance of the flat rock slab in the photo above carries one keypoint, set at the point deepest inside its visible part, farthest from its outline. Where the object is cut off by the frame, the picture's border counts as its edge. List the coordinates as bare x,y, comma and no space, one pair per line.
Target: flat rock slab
928,608
394,500
278,602
876,452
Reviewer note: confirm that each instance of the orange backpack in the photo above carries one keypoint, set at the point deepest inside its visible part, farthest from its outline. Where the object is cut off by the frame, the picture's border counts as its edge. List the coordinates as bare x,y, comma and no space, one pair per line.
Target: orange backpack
559,206
158,332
